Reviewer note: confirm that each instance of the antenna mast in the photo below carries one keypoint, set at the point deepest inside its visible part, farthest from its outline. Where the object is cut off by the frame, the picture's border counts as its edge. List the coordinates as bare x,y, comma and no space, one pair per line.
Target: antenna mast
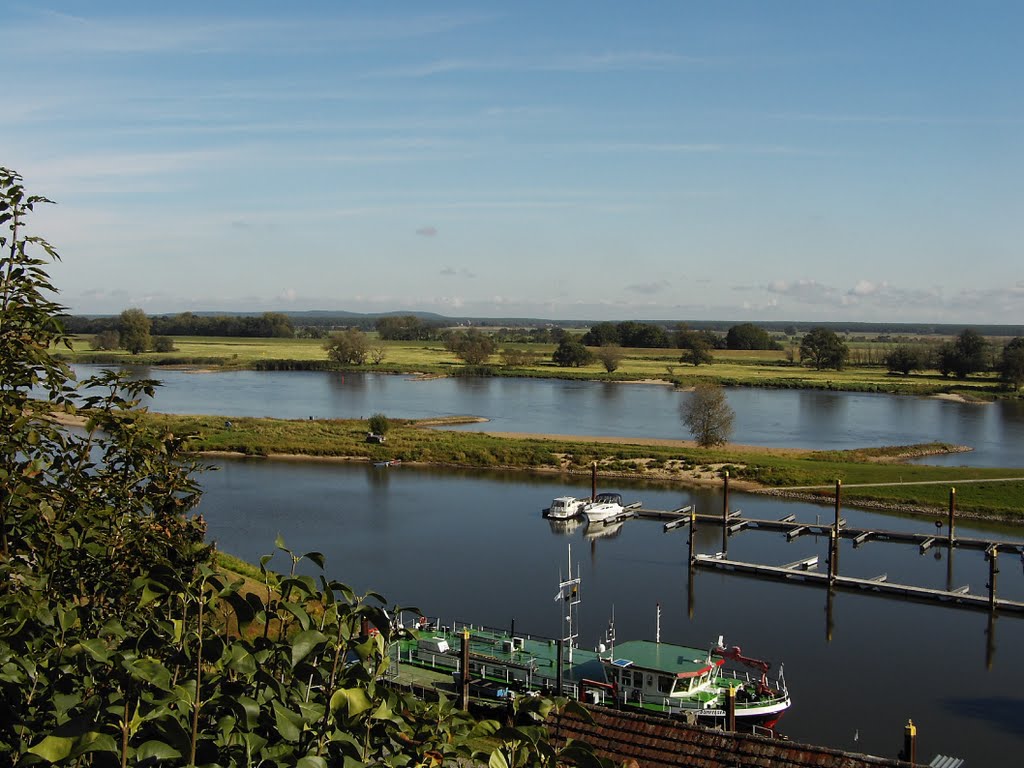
569,591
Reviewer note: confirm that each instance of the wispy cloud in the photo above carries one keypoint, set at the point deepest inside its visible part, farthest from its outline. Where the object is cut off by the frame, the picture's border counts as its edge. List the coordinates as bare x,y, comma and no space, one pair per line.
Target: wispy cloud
582,63
648,289
64,34
427,231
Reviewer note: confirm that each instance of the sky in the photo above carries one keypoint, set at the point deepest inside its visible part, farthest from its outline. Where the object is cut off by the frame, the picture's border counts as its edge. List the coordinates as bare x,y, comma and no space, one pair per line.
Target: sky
793,160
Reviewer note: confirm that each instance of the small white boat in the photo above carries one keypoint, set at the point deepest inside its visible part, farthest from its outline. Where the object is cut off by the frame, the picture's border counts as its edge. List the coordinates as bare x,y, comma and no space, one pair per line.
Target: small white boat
603,507
565,508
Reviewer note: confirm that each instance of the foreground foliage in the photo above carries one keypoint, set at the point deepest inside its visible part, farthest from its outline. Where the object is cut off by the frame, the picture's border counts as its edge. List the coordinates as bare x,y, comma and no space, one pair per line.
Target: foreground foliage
120,641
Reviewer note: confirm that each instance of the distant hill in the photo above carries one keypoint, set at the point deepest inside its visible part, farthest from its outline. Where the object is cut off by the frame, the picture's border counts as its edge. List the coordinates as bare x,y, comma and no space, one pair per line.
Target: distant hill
335,317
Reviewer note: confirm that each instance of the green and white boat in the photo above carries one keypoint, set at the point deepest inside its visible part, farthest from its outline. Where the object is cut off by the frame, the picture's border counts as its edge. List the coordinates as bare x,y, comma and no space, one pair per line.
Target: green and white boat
650,675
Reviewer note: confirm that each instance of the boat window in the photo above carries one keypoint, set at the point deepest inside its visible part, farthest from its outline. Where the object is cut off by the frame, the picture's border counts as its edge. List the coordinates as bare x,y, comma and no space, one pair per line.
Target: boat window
650,680
664,684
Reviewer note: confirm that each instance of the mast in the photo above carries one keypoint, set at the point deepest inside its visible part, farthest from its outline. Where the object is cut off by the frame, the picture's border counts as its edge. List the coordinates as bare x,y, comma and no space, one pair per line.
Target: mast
569,593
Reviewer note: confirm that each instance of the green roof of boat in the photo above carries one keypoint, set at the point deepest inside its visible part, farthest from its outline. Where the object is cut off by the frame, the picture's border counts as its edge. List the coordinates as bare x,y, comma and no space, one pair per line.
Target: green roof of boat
661,657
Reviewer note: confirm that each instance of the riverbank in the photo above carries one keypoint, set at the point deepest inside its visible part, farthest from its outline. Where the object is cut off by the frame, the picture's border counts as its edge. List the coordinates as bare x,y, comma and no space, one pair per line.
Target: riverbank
995,493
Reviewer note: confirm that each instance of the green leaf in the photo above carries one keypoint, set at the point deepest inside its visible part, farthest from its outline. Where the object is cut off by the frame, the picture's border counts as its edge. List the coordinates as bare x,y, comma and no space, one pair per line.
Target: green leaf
311,761
316,557
354,700
497,760
156,750
288,723
94,742
242,661
304,643
279,542
53,748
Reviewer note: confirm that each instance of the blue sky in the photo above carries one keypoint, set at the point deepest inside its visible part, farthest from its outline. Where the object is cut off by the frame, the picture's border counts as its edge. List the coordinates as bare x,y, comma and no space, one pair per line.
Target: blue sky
574,160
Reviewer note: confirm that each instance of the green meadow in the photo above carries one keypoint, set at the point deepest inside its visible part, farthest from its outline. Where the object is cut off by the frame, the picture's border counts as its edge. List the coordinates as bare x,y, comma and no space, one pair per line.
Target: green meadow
731,368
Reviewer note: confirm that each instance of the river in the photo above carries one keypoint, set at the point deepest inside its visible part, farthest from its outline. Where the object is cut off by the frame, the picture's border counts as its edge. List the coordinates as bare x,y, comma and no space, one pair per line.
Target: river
474,546
771,417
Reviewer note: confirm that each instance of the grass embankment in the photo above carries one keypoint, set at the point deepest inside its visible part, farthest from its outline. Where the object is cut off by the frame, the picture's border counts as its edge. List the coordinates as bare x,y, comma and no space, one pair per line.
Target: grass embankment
678,463
732,368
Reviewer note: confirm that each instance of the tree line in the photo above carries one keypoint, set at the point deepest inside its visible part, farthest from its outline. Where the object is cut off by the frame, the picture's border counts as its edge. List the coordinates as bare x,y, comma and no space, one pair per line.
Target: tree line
266,325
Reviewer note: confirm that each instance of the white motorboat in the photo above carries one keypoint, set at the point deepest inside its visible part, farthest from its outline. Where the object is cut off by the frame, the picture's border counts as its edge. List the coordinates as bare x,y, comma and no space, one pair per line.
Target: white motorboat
604,507
565,508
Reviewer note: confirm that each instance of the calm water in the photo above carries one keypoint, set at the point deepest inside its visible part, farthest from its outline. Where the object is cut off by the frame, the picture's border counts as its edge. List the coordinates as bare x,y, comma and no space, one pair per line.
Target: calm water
474,546
784,418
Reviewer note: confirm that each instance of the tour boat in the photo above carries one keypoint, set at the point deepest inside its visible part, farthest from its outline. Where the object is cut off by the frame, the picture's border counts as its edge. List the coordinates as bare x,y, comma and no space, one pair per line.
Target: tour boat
653,676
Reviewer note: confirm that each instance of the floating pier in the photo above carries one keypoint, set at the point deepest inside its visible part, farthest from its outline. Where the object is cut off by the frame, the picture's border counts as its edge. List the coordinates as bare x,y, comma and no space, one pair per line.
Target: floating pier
801,570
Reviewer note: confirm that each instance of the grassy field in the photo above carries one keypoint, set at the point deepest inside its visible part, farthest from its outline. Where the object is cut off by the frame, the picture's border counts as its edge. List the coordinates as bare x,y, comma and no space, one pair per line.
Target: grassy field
732,368
409,441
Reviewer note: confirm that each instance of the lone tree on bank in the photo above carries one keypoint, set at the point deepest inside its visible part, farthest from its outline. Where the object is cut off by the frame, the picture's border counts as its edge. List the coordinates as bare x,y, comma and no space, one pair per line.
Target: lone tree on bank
822,348
134,327
708,415
347,347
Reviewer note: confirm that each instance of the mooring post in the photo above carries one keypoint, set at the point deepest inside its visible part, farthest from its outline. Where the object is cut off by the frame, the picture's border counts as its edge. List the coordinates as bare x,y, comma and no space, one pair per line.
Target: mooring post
693,532
993,569
593,481
990,642
839,502
833,556
730,710
464,693
910,742
952,514
725,515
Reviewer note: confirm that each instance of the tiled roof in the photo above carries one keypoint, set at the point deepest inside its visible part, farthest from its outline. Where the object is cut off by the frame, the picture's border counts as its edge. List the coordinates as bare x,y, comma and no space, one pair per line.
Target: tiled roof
654,742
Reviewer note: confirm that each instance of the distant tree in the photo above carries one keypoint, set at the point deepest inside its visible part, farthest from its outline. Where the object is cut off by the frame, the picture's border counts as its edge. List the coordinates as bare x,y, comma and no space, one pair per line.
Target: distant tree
378,353
789,330
347,347
134,326
967,354
571,354
601,334
749,336
512,357
163,344
610,356
379,424
646,335
697,351
404,328
105,340
472,347
1011,364
708,415
685,337
822,348
276,325
905,358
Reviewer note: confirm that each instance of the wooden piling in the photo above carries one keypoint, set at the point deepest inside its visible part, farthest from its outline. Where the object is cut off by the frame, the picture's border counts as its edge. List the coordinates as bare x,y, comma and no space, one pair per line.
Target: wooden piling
993,569
464,691
730,710
693,532
725,515
839,502
952,515
910,742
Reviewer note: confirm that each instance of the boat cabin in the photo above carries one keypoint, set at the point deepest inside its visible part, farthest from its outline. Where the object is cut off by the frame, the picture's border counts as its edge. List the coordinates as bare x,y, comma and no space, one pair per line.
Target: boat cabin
644,669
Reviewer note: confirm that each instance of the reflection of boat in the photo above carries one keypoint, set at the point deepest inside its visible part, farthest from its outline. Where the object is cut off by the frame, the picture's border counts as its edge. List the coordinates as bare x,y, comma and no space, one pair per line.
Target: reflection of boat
603,529
388,463
652,676
565,508
564,527
605,505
